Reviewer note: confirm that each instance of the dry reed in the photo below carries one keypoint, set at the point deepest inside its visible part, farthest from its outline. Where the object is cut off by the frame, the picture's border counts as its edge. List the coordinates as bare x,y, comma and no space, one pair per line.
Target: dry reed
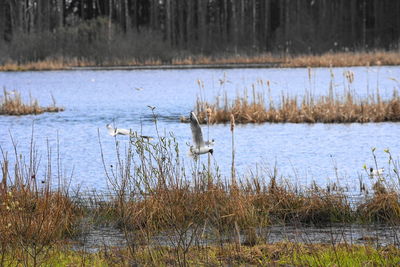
324,109
164,198
340,59
12,104
33,216
153,195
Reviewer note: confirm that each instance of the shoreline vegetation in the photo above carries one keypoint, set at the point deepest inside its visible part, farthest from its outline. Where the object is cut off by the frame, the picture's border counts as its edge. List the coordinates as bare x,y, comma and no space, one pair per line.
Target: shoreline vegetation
12,104
201,216
284,253
306,109
266,60
259,107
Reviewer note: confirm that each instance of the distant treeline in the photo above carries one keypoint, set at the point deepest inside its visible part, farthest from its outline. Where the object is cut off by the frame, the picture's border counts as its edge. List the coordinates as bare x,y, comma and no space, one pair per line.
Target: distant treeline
102,30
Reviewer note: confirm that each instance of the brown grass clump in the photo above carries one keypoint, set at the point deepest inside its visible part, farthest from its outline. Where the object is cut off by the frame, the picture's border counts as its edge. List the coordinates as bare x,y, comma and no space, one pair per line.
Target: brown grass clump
12,104
325,109
32,217
285,205
382,207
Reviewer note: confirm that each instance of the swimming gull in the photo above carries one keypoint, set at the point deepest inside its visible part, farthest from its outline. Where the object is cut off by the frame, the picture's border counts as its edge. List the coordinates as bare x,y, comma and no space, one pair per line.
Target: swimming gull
120,131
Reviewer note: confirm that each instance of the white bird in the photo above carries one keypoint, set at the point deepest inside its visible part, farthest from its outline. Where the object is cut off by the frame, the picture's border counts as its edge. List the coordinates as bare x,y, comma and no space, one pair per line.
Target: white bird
120,131
199,147
116,131
376,173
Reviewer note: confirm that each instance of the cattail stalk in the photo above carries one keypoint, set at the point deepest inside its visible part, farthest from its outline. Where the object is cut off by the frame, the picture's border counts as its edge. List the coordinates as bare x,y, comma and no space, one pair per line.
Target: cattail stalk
208,113
233,149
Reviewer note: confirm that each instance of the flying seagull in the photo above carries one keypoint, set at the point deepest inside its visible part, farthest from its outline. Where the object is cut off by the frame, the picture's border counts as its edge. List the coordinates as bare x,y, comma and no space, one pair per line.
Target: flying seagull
199,147
120,131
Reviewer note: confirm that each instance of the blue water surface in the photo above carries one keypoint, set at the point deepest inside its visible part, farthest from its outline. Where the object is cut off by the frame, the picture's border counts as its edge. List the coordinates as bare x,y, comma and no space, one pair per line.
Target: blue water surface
301,152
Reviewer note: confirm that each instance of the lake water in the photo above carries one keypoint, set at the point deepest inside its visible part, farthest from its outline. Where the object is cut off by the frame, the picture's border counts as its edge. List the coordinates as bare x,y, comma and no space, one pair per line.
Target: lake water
301,152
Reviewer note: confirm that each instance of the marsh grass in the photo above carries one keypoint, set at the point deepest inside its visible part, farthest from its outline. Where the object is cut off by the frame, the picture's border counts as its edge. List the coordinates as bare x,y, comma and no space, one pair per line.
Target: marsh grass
171,215
33,215
155,195
339,59
283,253
331,108
12,104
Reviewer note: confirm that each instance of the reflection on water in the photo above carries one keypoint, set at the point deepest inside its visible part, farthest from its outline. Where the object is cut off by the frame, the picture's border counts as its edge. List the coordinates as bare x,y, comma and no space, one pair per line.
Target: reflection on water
302,152
96,238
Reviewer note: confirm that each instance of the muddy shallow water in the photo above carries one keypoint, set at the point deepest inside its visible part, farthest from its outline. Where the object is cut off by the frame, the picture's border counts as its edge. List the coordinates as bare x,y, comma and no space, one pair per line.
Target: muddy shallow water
96,238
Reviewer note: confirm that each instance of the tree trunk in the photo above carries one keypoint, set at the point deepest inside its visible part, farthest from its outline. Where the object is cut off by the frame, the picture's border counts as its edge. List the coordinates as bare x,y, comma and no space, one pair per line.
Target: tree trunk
254,30
181,23
189,24
110,11
202,22
225,23
364,24
234,24
2,21
168,21
61,6
267,33
242,20
127,18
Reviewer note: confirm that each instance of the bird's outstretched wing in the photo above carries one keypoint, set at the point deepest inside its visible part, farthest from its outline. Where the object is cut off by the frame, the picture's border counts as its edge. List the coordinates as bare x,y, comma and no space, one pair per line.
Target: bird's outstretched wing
196,130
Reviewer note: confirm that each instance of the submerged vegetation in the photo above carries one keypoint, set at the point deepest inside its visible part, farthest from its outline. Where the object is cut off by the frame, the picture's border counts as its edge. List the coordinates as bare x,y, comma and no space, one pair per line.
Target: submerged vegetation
170,215
12,104
331,108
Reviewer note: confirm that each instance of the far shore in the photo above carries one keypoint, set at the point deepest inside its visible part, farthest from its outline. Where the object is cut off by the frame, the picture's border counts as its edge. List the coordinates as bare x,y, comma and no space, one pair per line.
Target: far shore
340,59
180,66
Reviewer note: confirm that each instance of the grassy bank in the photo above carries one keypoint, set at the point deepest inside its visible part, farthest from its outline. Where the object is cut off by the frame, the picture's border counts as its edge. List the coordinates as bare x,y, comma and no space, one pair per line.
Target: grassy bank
12,104
340,59
286,253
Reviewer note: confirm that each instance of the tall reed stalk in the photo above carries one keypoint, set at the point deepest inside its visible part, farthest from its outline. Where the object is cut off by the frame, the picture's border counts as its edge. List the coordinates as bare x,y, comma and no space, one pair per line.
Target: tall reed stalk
233,172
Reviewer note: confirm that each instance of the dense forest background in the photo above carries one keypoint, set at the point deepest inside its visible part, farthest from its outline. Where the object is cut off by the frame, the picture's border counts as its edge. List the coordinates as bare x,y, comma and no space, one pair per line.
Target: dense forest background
107,30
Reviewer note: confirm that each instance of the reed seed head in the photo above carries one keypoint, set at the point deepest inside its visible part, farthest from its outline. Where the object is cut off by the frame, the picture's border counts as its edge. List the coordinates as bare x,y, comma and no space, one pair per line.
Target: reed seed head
232,122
